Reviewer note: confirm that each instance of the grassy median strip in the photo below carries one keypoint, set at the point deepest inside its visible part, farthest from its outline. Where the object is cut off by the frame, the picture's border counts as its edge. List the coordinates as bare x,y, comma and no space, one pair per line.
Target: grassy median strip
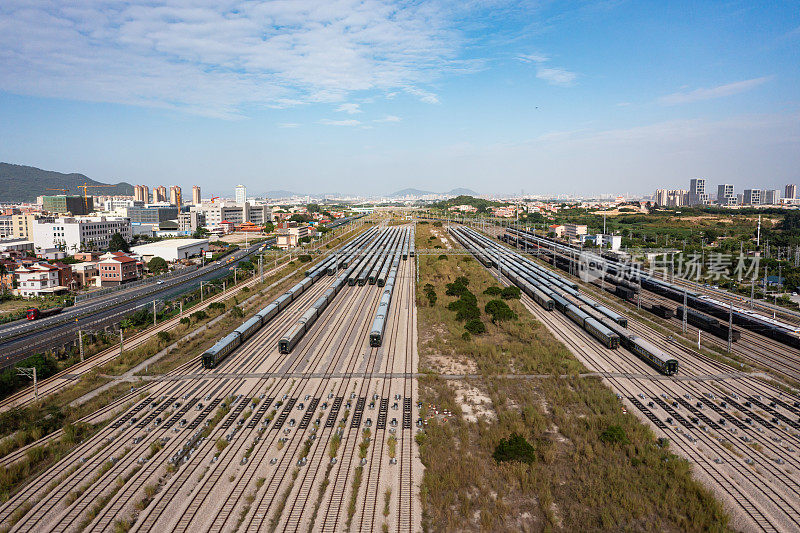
509,455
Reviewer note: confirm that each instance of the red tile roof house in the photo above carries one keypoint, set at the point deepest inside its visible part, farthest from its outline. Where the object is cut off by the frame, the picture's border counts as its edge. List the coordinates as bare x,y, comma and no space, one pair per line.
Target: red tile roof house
38,279
118,269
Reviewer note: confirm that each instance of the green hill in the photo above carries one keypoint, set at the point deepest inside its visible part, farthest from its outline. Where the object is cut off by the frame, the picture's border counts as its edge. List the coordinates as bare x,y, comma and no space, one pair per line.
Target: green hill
20,183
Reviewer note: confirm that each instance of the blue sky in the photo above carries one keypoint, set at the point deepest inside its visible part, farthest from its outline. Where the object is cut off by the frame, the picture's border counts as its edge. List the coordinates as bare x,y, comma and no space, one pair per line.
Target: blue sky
373,96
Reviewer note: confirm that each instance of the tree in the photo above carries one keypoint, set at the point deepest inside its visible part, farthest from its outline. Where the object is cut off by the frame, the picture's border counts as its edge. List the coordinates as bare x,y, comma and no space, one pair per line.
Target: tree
157,265
313,208
118,243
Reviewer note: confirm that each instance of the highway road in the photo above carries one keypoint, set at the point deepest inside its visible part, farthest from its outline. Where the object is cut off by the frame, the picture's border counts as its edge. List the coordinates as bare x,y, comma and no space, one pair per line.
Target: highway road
22,339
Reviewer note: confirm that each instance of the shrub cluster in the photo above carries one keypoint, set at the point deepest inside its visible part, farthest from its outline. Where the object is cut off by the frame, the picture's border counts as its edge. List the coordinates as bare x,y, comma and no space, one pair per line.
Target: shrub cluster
614,435
466,307
430,292
499,310
510,293
494,290
515,448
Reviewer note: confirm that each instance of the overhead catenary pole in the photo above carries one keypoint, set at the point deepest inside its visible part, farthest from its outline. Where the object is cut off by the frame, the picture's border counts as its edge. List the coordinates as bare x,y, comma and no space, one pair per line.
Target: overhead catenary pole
30,373
730,327
684,310
155,319
80,344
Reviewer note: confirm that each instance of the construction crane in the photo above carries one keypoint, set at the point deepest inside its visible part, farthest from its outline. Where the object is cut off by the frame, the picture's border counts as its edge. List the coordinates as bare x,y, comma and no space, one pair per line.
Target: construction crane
86,187
65,191
214,198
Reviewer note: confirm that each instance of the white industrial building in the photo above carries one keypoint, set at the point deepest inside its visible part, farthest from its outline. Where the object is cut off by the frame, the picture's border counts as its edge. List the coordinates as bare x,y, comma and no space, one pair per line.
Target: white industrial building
73,234
171,250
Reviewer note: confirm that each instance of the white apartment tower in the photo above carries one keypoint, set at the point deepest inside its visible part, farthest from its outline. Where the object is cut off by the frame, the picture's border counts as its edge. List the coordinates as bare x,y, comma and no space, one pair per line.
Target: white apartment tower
725,194
697,192
241,194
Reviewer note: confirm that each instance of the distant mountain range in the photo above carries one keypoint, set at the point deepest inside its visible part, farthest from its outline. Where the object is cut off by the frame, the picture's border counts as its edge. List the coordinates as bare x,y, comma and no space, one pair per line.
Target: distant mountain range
417,192
20,183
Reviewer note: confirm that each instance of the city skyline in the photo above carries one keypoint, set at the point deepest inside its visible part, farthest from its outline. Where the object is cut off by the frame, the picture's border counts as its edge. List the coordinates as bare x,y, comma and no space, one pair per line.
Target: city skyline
583,99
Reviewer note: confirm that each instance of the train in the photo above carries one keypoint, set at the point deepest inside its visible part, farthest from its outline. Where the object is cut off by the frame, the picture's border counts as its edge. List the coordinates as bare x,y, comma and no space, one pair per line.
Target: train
378,330
631,277
707,323
610,328
212,357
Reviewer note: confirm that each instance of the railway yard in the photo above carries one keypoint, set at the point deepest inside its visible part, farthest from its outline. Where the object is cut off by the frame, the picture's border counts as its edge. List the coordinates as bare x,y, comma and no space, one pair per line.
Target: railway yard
740,430
317,439
307,417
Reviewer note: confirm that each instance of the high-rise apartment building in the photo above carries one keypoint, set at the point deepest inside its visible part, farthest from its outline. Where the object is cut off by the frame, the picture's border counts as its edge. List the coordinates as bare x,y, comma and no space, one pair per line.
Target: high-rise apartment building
771,197
697,192
241,194
661,196
175,196
141,193
790,191
725,194
677,197
160,194
196,200
752,197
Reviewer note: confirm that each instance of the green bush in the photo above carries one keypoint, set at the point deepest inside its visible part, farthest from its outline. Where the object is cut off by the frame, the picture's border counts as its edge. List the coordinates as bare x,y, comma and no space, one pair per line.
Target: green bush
499,310
185,320
305,258
510,293
475,326
217,306
442,257
237,312
614,435
514,448
199,315
437,224
494,290
164,336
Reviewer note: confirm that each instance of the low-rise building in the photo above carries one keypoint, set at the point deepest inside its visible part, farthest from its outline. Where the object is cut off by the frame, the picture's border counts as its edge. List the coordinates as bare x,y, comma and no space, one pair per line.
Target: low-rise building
571,231
38,279
73,234
86,274
172,249
556,229
117,268
289,234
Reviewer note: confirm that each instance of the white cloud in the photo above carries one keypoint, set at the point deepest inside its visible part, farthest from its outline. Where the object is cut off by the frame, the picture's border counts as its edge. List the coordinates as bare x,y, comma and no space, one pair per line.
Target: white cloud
389,118
350,122
684,97
288,125
423,95
223,57
350,109
533,58
556,76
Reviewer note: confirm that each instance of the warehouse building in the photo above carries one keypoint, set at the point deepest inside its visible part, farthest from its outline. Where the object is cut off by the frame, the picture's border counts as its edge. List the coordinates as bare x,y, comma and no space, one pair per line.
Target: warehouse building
172,249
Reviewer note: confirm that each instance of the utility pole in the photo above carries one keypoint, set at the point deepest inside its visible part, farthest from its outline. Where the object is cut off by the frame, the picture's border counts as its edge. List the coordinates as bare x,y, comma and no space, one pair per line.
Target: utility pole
758,232
155,319
180,313
80,344
120,340
30,373
684,309
730,328
639,295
